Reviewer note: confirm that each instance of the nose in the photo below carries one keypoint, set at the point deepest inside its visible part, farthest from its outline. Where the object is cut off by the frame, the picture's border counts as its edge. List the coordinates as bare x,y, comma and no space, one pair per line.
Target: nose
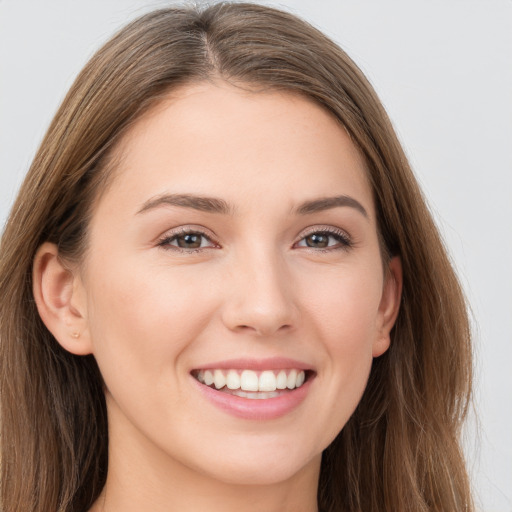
260,296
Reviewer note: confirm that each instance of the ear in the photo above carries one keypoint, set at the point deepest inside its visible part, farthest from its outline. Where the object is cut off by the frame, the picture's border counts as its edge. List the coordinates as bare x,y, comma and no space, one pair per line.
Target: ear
60,300
389,306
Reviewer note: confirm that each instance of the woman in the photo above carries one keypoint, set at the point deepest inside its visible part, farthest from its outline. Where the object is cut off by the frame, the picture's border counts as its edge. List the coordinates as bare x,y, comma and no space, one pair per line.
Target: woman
225,289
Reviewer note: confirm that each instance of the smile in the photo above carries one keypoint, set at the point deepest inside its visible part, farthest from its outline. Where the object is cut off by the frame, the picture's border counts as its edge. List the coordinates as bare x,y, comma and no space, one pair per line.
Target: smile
255,389
252,384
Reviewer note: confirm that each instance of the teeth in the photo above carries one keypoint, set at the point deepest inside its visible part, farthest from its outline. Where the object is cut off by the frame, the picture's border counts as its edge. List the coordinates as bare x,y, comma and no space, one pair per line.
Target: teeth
219,379
249,381
281,380
241,381
208,377
232,380
255,396
291,382
267,381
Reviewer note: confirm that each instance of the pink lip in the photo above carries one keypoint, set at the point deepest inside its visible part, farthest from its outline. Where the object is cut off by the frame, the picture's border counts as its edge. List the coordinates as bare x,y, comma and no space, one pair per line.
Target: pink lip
254,409
272,363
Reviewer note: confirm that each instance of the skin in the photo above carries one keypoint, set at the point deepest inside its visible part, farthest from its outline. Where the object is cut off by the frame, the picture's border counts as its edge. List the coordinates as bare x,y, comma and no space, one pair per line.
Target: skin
150,312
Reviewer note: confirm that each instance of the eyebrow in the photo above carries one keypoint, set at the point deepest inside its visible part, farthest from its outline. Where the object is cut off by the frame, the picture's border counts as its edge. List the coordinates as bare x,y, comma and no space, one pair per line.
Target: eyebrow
201,203
326,203
216,205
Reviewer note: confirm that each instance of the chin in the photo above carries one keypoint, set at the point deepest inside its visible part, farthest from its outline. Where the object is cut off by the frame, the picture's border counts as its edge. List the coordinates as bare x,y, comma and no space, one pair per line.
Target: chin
270,471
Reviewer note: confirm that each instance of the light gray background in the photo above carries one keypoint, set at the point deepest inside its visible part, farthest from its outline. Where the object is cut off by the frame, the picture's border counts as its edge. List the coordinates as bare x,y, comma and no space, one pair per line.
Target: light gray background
443,69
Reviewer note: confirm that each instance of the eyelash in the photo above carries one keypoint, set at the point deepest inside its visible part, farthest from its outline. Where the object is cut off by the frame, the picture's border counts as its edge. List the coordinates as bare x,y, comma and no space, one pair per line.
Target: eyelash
343,240
165,242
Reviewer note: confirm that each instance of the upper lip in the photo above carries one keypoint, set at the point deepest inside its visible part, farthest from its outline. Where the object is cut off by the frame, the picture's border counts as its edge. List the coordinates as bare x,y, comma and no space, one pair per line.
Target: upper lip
271,363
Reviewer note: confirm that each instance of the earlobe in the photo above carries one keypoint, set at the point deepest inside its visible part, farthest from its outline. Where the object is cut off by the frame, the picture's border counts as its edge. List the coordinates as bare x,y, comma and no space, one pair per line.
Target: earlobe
389,306
57,293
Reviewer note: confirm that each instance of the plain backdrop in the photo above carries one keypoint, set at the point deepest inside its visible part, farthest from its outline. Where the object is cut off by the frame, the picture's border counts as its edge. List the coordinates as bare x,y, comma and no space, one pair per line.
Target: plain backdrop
443,69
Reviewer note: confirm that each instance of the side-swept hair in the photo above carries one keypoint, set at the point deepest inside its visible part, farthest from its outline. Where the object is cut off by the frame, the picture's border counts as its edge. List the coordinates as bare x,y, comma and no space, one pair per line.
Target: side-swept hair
400,450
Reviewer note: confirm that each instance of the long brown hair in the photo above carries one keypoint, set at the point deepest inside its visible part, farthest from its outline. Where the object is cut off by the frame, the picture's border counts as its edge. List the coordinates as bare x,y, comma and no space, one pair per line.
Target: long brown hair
400,450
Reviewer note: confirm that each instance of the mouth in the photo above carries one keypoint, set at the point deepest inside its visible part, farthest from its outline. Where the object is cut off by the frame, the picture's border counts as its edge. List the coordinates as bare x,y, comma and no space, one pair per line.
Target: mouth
251,384
255,389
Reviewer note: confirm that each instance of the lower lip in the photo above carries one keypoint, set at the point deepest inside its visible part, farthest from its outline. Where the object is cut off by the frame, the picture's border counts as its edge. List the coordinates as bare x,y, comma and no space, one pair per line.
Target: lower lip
256,409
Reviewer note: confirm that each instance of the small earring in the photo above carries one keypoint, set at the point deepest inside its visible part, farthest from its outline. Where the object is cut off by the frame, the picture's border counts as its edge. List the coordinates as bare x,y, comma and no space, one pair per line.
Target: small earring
75,335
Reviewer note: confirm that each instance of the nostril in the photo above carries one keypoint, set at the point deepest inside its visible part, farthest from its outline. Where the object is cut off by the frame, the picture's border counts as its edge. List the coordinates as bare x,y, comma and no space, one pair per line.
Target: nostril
263,330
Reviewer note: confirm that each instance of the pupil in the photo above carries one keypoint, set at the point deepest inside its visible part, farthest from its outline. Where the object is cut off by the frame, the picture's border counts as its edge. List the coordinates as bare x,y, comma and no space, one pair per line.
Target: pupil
317,240
189,241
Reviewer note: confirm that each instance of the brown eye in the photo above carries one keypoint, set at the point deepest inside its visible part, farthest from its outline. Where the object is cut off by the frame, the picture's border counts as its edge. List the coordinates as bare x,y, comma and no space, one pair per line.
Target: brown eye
189,241
325,240
317,240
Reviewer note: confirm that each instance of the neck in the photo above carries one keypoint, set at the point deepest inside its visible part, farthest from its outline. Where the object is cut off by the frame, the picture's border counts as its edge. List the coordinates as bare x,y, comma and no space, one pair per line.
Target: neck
143,478
122,494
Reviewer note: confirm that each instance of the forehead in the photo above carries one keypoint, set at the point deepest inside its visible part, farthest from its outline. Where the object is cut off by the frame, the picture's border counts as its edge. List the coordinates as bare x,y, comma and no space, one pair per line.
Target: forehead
217,139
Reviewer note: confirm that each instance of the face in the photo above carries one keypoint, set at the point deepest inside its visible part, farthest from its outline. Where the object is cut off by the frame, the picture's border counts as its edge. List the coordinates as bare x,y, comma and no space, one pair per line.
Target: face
236,243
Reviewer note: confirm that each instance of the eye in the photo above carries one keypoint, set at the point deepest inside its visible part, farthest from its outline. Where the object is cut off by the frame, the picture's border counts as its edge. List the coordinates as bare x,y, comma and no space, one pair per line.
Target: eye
187,240
325,239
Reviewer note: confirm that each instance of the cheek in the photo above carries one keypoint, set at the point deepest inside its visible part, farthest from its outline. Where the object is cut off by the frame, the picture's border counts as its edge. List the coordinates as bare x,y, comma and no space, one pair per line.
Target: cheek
142,317
344,315
345,307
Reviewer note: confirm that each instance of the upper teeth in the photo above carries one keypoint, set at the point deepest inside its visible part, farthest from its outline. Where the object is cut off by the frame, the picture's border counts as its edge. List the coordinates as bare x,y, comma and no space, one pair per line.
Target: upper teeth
249,380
